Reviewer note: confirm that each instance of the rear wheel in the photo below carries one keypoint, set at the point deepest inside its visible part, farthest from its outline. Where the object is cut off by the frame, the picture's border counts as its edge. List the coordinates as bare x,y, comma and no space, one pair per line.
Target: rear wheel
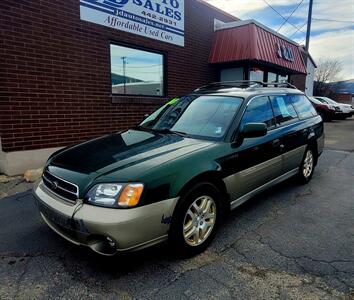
307,166
195,220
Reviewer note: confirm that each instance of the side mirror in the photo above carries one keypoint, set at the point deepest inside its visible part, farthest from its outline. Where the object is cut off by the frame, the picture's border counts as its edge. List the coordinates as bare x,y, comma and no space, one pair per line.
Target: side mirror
252,130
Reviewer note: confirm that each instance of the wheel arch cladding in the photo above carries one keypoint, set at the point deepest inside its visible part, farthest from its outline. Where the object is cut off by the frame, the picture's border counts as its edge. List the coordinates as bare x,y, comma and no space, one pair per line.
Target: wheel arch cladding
212,177
312,144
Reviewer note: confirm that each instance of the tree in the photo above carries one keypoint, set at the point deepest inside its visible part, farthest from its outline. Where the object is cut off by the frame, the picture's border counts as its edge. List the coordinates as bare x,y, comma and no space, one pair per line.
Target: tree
327,71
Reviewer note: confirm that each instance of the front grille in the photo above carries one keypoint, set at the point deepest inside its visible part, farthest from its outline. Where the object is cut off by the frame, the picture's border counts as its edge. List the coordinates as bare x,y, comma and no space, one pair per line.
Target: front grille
60,186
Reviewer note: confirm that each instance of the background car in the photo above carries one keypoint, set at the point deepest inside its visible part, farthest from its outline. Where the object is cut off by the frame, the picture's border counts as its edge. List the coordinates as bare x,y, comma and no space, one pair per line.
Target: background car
344,110
326,111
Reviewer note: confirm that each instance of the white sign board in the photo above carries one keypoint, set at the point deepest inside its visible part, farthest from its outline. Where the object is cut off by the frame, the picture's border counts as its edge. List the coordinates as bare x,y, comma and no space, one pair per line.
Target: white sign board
162,20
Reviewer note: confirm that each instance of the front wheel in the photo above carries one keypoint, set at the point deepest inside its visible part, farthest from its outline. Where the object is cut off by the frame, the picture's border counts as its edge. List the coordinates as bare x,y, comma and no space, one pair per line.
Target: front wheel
307,166
195,220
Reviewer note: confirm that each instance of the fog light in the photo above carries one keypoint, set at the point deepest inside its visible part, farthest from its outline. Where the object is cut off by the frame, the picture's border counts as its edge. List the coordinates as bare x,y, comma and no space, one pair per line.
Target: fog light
111,242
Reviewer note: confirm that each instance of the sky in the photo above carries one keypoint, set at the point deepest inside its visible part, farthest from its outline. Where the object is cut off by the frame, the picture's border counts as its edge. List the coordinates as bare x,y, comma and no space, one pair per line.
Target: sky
329,39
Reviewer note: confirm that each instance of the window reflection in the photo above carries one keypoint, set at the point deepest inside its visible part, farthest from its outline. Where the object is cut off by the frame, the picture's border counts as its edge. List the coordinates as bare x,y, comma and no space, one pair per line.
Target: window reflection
259,110
136,72
256,74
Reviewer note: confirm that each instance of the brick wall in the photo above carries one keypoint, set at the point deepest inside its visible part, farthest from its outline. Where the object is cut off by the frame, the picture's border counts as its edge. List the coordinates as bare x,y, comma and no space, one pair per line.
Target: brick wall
55,72
299,81
343,98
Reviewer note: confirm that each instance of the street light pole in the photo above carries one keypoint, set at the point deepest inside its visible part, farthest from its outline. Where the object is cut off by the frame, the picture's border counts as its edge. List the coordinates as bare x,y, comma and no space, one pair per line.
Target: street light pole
308,32
125,78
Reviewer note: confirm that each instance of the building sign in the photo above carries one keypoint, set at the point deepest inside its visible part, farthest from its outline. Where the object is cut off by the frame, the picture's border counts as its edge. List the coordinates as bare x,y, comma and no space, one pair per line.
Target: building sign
284,52
161,20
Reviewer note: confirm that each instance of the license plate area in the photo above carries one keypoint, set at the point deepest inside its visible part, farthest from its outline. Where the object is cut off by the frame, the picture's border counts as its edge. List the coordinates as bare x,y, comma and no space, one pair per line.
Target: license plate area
55,217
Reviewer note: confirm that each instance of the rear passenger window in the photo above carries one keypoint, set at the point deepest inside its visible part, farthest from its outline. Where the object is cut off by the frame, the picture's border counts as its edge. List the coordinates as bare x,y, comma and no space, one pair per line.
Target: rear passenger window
284,111
259,110
303,106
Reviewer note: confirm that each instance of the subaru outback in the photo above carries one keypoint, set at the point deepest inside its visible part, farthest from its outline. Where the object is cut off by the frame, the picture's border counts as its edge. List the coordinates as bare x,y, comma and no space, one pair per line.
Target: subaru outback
173,177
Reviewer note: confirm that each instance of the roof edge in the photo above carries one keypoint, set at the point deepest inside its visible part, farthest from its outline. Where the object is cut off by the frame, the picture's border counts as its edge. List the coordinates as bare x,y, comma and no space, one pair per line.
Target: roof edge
234,24
308,55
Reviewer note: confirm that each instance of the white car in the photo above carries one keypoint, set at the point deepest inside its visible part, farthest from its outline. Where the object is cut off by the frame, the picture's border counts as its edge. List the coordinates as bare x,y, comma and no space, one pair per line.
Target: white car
346,109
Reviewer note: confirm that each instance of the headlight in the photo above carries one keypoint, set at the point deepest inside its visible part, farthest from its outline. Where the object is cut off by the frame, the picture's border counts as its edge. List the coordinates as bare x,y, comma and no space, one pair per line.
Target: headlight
115,194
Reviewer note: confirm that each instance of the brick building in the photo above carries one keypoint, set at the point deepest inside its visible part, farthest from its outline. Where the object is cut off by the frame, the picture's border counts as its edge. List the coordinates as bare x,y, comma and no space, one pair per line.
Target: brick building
74,70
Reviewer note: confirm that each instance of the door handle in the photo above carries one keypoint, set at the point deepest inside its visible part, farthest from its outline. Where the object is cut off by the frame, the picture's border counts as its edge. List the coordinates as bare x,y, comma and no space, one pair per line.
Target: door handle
276,143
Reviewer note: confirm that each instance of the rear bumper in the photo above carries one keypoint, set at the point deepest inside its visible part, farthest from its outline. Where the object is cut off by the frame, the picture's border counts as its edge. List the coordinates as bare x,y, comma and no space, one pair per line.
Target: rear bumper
105,230
341,115
320,144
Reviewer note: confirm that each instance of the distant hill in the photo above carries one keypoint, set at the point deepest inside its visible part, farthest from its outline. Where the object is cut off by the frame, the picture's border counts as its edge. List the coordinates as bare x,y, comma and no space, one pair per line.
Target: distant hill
346,86
119,79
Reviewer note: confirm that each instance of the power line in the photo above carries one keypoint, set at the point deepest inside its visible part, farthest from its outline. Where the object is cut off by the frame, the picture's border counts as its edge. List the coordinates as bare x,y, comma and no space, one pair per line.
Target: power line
287,19
315,19
302,41
278,13
298,30
332,20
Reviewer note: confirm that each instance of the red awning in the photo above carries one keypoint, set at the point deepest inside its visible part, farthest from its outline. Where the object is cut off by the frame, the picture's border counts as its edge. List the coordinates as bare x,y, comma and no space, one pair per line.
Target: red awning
252,42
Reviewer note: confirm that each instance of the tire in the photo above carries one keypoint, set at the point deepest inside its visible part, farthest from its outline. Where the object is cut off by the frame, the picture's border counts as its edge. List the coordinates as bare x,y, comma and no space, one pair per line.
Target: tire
193,225
307,166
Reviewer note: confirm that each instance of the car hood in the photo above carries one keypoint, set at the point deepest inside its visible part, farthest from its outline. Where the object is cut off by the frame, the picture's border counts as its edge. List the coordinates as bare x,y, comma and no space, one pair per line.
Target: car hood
133,149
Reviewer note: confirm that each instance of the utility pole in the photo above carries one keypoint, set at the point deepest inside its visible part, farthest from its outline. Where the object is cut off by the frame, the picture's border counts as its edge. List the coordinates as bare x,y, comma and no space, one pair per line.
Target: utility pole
308,32
125,78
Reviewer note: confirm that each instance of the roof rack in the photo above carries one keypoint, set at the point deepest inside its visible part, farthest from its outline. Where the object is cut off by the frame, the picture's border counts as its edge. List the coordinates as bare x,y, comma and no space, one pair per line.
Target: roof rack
244,84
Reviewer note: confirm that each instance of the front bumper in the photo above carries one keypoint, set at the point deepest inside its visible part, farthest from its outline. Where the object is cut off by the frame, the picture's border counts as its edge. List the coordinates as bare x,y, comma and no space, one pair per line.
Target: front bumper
340,115
105,230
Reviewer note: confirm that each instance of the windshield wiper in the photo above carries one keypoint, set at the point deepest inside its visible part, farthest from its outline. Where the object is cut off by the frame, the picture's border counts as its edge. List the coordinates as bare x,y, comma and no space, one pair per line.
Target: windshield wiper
162,130
167,130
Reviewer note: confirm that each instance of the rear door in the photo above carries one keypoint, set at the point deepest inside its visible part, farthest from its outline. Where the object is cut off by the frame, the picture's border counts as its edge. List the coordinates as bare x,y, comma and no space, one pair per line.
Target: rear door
289,130
292,113
258,160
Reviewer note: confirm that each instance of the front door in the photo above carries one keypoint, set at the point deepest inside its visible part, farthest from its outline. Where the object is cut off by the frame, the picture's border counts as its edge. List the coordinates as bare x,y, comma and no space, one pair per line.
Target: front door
258,160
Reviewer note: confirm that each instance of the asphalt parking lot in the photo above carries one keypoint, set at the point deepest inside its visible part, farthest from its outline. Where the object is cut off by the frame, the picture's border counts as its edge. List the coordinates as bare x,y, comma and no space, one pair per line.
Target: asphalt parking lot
291,242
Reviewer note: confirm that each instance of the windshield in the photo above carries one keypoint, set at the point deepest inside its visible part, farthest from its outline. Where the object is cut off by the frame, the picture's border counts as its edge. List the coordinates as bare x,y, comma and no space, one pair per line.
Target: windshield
327,100
197,116
316,101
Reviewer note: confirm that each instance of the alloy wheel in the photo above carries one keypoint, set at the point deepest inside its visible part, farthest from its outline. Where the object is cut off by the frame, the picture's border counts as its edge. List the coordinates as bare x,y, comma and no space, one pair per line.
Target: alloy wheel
199,220
308,164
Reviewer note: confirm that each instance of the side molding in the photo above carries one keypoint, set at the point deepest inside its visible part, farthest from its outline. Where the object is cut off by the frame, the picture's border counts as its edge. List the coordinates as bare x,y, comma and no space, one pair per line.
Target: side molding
275,181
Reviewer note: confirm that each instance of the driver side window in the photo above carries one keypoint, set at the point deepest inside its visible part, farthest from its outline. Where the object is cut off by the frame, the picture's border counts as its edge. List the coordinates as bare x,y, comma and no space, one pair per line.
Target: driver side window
259,110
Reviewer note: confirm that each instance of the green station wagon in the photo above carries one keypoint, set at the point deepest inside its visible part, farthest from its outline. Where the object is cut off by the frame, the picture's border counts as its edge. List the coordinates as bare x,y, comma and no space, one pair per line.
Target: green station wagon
175,175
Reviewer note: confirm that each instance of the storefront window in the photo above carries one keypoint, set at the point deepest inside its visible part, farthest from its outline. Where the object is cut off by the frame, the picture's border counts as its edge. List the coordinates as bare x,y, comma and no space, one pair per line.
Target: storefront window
272,77
256,74
283,78
231,74
136,72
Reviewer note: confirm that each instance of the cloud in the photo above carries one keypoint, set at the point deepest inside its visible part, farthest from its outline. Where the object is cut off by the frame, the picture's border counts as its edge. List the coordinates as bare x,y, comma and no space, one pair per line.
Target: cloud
244,8
338,45
328,39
